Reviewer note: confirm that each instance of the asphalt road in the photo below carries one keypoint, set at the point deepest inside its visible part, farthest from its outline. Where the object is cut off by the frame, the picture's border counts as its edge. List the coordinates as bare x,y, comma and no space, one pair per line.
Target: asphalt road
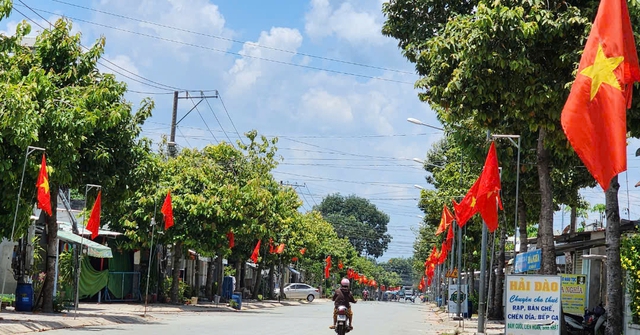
378,318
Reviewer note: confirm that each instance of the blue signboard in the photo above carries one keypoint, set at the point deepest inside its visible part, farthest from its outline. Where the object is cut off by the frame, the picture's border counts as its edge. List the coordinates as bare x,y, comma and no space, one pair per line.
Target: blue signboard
528,261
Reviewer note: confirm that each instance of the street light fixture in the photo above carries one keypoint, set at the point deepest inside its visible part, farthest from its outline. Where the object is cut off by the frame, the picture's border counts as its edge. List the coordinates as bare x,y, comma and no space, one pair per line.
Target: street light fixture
418,160
418,187
418,122
515,232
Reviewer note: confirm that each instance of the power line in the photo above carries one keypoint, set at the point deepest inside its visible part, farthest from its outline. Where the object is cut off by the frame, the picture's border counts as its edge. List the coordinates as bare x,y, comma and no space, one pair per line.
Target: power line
217,120
154,85
234,40
231,120
203,120
228,52
311,195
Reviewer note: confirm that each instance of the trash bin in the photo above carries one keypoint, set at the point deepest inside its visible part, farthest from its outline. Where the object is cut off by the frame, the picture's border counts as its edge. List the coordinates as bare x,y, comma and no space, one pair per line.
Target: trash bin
24,297
237,299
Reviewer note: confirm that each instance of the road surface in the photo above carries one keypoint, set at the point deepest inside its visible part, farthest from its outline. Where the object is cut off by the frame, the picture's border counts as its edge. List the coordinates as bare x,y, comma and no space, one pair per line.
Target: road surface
379,318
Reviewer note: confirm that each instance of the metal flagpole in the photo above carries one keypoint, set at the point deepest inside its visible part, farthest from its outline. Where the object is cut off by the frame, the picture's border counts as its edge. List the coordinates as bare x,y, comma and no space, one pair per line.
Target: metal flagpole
29,150
78,269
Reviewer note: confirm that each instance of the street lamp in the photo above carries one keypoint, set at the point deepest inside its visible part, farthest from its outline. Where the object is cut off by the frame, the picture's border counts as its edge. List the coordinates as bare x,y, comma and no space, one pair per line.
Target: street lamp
418,160
29,150
418,122
418,187
515,232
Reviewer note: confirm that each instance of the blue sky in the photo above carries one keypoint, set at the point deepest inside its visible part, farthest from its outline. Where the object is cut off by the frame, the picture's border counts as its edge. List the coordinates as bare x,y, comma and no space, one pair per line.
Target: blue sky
316,73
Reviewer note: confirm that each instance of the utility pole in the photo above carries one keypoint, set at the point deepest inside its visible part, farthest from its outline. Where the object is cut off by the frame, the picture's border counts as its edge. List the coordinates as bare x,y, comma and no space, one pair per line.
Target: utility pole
174,115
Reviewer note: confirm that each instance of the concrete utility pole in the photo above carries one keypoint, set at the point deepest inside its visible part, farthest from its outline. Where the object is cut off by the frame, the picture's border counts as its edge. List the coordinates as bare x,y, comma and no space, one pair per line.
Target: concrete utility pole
174,115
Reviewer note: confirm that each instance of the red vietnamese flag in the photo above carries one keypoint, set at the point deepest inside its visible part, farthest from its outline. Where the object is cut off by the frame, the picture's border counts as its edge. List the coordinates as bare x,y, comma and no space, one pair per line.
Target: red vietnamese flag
488,193
231,238
302,251
443,253
466,209
256,251
94,219
340,265
327,266
167,211
280,248
272,248
445,220
43,195
594,116
449,240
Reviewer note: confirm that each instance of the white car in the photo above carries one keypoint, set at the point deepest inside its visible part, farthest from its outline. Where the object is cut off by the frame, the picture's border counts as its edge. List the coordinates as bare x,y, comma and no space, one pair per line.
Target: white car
299,291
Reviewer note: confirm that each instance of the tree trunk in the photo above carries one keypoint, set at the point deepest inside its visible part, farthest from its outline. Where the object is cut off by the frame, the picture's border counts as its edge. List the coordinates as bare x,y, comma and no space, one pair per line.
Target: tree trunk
615,280
162,268
522,224
238,275
573,219
175,283
197,273
545,230
52,248
282,294
243,272
209,285
256,286
272,281
499,282
220,274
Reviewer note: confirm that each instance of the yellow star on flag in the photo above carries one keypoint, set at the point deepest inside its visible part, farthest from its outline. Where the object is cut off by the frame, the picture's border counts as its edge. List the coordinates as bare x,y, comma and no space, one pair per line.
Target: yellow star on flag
601,71
45,184
473,202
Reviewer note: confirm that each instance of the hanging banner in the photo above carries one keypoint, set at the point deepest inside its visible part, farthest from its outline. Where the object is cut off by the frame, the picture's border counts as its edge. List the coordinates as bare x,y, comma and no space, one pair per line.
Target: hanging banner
453,299
574,294
533,305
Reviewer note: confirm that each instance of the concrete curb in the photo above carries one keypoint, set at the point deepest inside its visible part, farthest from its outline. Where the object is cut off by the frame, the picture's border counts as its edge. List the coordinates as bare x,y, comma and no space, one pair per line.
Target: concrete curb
114,314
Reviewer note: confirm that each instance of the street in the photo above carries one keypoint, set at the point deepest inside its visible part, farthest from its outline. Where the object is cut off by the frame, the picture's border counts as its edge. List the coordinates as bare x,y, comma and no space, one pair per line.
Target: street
369,318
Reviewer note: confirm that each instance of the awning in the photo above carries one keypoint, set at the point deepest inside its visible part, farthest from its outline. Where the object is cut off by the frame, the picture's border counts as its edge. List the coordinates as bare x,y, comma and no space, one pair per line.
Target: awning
297,273
93,249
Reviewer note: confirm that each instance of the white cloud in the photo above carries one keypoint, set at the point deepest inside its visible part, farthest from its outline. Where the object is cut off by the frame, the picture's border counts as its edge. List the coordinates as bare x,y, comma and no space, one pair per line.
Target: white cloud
345,22
319,105
254,65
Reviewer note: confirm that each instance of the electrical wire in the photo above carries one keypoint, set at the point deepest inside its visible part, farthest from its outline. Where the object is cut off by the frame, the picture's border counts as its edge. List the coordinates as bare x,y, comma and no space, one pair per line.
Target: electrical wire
311,195
203,120
229,116
233,40
217,120
154,84
229,52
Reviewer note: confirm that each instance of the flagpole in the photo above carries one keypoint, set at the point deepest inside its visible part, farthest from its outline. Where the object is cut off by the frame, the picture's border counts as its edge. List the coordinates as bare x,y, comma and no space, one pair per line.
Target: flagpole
29,150
78,267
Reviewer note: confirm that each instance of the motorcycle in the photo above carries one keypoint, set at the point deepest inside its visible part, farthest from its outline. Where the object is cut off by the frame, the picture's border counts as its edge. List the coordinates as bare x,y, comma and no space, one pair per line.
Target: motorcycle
365,295
342,326
591,322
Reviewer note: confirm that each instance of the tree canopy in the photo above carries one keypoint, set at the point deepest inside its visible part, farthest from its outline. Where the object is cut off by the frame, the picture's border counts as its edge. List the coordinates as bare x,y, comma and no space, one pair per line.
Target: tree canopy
358,220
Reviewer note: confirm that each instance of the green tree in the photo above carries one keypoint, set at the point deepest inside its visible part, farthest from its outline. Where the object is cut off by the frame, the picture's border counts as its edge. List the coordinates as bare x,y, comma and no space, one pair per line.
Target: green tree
358,220
507,65
404,268
79,115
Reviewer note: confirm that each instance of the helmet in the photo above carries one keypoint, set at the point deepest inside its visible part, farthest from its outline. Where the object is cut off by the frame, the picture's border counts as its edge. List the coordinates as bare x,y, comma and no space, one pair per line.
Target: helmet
345,282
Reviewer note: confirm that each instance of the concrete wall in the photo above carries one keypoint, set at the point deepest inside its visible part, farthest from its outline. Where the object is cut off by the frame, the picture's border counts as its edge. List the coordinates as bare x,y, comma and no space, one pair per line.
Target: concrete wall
6,251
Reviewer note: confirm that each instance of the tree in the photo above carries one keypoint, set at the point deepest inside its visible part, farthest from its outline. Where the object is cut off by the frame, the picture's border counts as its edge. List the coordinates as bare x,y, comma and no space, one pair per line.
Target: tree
76,113
404,268
508,66
359,221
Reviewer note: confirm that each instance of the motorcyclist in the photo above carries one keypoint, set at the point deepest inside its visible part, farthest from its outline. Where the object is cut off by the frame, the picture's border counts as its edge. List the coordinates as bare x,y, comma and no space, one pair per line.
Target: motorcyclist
343,297
365,295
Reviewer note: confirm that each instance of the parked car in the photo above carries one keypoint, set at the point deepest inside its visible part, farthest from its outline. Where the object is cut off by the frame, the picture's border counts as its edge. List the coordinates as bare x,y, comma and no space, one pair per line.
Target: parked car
299,291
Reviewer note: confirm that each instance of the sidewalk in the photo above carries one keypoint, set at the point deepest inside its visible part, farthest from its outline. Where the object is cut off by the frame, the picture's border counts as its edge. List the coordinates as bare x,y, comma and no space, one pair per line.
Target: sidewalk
92,314
466,326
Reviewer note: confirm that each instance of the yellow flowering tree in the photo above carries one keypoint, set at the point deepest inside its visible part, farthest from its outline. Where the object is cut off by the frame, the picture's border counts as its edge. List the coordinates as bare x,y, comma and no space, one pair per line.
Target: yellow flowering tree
630,257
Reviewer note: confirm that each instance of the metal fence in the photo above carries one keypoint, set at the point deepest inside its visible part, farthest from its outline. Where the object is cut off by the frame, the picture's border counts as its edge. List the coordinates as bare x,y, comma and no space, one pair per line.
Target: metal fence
123,286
